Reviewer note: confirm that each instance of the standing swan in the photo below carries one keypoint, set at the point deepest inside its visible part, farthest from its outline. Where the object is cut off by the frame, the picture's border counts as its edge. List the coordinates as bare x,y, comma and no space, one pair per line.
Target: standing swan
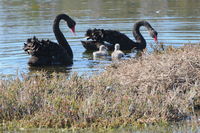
101,53
113,37
117,53
46,52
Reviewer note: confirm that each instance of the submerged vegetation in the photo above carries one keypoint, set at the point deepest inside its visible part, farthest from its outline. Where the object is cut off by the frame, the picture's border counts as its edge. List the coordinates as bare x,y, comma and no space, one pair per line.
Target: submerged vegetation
155,88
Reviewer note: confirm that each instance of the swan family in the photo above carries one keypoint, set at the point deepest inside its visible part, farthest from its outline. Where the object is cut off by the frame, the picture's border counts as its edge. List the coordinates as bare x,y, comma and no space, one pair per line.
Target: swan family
100,36
49,53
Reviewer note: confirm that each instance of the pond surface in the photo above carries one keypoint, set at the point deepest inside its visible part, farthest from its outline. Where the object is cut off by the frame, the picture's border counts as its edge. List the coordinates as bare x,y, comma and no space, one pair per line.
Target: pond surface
177,22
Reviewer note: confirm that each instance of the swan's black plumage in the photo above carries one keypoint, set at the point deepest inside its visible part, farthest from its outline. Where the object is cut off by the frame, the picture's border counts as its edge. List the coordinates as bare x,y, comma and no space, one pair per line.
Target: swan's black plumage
100,36
46,52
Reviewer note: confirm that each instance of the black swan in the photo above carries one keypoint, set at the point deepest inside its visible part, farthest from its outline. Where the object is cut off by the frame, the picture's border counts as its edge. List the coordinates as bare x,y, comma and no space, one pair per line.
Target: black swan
48,53
100,37
117,53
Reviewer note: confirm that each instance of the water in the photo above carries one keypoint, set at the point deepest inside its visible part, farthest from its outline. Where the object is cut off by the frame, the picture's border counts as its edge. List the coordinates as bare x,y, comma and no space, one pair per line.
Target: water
177,22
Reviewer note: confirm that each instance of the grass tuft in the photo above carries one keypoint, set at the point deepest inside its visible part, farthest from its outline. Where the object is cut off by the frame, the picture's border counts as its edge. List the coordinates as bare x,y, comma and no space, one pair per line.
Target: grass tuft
155,88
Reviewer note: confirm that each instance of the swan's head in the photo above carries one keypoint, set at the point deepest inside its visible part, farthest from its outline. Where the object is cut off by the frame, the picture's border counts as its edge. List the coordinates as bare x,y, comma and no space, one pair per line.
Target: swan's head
102,48
117,46
153,34
71,24
95,34
88,34
32,45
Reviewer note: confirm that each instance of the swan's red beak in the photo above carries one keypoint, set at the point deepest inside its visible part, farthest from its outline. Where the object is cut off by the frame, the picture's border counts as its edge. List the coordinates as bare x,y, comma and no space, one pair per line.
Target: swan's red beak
155,39
73,30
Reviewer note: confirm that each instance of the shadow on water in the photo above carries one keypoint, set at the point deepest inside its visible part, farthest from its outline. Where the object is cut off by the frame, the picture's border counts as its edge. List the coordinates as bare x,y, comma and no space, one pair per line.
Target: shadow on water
88,55
50,70
95,62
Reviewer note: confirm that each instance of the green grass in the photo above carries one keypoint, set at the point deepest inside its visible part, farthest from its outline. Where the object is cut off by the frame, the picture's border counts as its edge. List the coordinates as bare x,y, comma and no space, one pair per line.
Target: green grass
156,88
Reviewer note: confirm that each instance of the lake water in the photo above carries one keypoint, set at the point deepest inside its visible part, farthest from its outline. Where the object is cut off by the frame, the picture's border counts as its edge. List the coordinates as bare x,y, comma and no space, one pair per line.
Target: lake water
177,22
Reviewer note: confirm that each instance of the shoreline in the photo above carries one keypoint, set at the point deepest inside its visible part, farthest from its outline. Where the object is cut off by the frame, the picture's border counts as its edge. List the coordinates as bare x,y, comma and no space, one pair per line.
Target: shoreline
158,88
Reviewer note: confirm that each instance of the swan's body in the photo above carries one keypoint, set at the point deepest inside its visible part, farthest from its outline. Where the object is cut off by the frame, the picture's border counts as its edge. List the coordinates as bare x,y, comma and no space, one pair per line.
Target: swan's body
46,52
101,53
111,36
117,53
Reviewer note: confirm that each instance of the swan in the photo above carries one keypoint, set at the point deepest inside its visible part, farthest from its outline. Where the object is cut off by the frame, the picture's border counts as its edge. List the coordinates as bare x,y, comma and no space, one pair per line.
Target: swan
100,37
101,53
48,53
117,53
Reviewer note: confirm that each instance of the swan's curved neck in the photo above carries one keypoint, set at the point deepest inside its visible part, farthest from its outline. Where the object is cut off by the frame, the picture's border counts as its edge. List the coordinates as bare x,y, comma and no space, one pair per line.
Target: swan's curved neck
101,48
59,35
136,31
117,47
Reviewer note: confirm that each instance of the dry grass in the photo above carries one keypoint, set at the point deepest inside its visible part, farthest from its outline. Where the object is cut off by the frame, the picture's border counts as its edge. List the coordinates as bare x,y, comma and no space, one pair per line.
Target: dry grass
154,88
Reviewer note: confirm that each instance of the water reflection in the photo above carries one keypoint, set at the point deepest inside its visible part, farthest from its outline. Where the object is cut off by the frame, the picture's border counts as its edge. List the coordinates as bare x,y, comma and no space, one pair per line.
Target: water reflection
97,63
87,55
50,69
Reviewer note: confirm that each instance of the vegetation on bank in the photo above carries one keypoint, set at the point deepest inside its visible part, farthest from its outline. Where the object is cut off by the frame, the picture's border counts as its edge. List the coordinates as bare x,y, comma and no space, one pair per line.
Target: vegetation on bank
155,88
